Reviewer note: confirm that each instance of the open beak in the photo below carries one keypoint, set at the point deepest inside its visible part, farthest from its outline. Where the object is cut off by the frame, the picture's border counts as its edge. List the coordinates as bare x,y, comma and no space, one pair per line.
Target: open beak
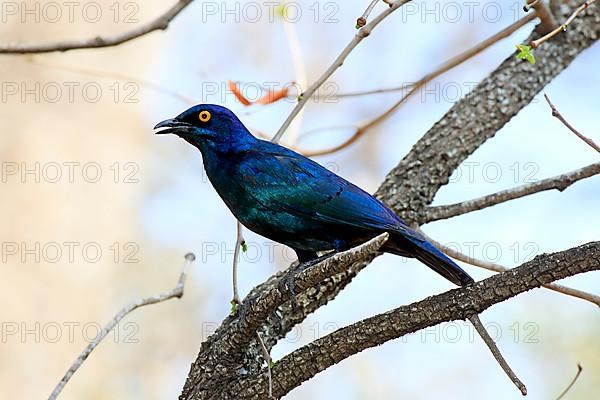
172,126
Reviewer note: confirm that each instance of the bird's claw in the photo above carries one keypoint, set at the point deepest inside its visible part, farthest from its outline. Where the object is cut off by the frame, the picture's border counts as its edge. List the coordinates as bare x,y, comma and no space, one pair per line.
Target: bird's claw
242,311
287,282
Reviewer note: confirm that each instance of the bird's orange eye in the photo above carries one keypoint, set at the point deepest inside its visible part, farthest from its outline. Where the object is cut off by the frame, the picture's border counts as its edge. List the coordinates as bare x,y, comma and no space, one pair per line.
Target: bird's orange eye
204,116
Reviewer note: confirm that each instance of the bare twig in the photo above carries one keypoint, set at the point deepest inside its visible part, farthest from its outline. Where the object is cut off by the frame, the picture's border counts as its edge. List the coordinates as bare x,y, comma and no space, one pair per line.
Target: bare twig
579,369
304,363
294,44
547,20
563,27
267,357
360,35
362,20
299,71
558,115
160,23
560,183
175,292
414,88
592,298
259,305
239,243
408,189
474,318
115,75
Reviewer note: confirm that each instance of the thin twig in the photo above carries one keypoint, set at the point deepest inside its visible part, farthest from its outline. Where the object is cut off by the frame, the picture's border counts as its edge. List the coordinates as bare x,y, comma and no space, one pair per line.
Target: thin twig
457,304
579,369
299,71
115,75
239,243
592,298
474,318
160,23
547,20
558,115
362,20
259,305
563,27
175,292
560,183
267,357
414,88
360,35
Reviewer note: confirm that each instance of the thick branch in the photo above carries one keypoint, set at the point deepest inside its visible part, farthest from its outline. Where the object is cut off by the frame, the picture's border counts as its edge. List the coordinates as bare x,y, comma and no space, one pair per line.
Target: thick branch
456,304
409,188
592,298
560,183
228,345
412,185
255,309
160,23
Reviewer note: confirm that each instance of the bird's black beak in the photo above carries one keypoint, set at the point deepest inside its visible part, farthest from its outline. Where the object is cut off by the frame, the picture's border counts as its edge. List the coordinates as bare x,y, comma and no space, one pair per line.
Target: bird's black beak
172,126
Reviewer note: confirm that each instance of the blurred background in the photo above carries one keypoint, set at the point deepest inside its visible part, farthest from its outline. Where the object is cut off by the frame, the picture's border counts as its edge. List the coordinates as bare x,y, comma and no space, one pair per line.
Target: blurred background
98,211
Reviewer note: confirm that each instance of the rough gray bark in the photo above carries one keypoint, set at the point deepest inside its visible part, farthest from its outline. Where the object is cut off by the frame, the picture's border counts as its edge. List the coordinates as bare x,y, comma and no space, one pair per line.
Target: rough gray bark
303,364
560,183
412,185
230,366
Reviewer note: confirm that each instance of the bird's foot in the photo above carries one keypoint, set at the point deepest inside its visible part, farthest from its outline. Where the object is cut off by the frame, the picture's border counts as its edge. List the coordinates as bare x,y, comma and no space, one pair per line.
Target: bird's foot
287,282
243,310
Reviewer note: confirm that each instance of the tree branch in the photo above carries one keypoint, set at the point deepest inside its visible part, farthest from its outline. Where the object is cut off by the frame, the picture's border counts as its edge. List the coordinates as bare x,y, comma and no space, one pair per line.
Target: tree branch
592,298
239,243
563,27
564,392
560,183
456,304
160,23
408,189
412,185
547,21
558,115
267,302
362,20
414,88
489,342
175,292
338,62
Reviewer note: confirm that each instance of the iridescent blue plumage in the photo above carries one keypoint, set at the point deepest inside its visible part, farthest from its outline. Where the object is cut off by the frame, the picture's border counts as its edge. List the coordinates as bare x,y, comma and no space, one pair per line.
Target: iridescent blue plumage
293,200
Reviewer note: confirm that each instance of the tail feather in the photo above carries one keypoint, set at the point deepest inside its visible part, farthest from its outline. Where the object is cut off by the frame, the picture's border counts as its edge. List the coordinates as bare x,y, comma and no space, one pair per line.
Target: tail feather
419,248
437,261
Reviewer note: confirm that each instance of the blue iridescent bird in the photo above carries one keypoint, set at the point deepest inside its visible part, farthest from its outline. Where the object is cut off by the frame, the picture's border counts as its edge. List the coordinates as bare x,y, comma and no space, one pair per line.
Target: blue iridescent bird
293,200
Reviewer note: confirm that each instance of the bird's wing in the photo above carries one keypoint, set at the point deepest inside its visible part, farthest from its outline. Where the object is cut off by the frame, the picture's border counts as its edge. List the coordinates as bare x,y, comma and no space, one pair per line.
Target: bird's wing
293,183
287,181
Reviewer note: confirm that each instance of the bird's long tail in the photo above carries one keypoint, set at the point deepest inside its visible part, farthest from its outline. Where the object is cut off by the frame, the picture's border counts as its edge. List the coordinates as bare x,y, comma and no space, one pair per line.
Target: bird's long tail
418,247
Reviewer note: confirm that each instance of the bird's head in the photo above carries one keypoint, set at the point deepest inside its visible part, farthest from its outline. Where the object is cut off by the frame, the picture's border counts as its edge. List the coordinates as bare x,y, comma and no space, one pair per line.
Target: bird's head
207,125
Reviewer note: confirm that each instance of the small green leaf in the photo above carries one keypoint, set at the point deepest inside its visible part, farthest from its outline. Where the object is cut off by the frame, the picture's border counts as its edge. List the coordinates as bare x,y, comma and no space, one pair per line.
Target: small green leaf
271,364
244,246
525,53
233,307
